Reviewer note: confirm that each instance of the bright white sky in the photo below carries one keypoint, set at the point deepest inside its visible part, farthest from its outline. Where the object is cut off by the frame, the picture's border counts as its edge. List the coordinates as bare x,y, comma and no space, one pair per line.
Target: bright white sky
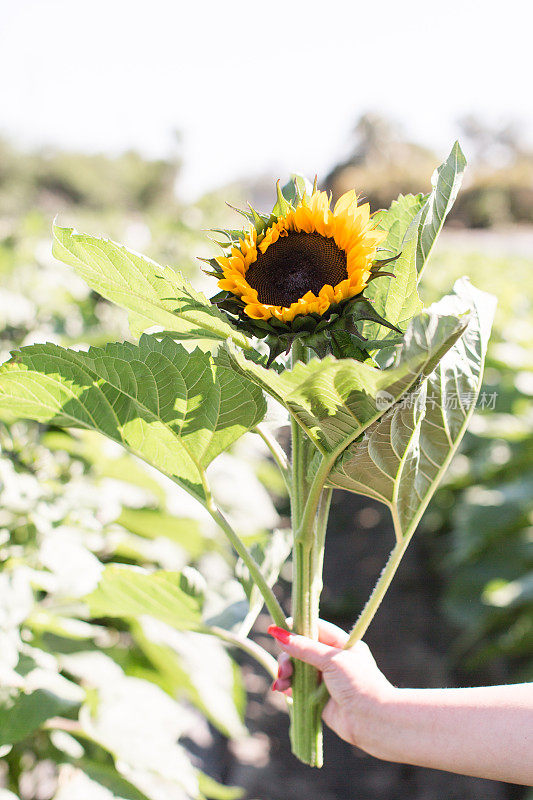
256,87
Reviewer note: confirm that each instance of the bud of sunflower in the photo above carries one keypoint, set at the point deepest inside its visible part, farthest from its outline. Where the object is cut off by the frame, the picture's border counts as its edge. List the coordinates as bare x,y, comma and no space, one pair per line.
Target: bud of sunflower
301,272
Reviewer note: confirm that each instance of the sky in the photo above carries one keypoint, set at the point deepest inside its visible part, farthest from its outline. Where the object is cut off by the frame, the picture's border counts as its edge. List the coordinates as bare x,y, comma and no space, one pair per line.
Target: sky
256,88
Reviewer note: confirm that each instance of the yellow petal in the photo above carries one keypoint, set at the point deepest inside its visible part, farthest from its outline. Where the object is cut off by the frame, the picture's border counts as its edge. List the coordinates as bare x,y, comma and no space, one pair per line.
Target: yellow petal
346,203
250,296
303,220
364,213
319,202
327,293
258,311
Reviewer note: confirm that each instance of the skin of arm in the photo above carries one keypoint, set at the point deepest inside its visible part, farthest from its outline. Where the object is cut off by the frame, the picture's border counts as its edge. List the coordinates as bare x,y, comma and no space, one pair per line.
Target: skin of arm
486,732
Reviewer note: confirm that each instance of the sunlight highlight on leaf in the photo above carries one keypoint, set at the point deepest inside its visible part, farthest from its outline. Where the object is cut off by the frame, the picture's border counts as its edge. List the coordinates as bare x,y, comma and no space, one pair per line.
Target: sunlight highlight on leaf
176,410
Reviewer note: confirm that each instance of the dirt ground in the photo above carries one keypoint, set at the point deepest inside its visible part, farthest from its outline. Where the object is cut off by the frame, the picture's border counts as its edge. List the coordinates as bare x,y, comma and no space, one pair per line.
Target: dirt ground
409,639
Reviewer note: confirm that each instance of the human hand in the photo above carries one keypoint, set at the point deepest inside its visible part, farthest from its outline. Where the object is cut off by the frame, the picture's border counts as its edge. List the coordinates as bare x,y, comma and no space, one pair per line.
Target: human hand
358,690
485,731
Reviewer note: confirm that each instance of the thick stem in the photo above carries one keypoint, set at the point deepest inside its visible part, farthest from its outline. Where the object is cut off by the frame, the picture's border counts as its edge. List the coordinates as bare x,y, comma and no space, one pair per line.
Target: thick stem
306,726
308,533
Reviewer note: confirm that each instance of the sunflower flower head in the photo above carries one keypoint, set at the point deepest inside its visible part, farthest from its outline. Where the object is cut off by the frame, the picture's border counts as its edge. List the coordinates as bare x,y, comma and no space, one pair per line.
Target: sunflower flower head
301,271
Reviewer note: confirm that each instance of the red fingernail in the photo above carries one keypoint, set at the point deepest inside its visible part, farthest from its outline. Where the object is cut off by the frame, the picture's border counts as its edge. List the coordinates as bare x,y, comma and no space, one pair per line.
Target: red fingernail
274,686
280,634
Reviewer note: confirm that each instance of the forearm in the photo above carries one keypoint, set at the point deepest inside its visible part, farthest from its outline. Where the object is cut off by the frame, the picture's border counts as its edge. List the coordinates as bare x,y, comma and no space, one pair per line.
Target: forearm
485,732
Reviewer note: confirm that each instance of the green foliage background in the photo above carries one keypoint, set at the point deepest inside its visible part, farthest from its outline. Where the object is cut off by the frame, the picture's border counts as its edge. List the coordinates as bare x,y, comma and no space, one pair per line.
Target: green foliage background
72,504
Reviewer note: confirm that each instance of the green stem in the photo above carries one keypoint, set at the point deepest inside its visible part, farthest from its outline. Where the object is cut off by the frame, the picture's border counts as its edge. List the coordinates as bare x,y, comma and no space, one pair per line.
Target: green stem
257,576
374,601
321,526
378,593
278,454
308,533
314,494
306,725
269,664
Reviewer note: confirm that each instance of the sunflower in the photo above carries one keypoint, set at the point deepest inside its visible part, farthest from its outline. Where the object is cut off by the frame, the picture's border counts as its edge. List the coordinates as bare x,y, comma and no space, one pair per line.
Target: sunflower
301,271
306,261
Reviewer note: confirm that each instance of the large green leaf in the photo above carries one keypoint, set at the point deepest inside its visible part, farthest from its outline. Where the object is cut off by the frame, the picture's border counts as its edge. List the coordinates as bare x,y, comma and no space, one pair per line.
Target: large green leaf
396,220
176,410
402,457
153,295
153,523
446,182
198,668
396,297
413,223
106,775
22,714
334,400
130,592
187,663
140,726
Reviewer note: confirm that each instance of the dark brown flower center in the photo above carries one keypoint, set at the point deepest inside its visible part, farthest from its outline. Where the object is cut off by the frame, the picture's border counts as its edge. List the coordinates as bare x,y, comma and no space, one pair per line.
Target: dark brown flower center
296,264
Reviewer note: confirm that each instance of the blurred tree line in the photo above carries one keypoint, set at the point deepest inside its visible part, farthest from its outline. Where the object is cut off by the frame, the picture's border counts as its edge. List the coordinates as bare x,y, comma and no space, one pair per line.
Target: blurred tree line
498,189
58,179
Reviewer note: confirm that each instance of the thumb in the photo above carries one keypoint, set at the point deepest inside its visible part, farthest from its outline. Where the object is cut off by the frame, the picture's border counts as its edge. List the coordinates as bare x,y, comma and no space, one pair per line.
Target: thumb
315,653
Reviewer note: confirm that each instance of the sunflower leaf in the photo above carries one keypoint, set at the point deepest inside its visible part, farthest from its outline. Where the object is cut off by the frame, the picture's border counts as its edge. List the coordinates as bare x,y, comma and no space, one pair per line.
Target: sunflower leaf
21,714
108,776
197,667
153,295
174,409
446,182
334,400
396,297
403,455
397,219
130,592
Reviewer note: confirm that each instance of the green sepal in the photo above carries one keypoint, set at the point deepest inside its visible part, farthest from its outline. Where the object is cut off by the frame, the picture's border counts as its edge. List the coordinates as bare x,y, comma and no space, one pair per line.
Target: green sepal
233,235
282,206
216,269
276,347
360,308
378,264
335,332
259,221
344,345
219,298
296,188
